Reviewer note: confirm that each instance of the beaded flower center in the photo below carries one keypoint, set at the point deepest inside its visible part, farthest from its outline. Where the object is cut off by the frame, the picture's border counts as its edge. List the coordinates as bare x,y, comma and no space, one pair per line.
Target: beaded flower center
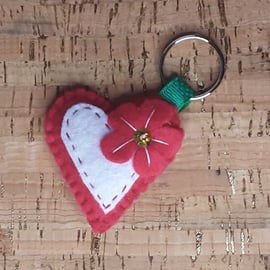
142,137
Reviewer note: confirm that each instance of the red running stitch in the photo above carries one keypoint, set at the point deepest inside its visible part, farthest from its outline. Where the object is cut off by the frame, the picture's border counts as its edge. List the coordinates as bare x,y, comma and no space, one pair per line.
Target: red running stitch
68,136
80,161
75,112
91,185
106,206
124,188
107,126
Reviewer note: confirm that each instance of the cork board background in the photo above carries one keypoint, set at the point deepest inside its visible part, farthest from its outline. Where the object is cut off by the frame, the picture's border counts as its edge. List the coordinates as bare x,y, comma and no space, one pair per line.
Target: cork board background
193,216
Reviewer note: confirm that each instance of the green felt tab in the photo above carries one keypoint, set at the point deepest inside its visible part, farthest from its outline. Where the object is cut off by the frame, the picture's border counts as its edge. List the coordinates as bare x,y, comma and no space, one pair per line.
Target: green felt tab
177,92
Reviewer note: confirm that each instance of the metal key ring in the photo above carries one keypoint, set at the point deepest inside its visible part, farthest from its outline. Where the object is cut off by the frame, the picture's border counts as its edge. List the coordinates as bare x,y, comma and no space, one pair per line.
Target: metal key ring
193,36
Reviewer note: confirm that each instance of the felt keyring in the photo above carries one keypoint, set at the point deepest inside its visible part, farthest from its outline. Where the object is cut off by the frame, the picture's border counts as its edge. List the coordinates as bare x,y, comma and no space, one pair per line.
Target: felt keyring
109,155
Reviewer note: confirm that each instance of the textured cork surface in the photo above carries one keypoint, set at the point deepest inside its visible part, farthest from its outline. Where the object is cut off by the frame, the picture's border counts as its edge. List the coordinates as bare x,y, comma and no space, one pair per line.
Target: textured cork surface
194,216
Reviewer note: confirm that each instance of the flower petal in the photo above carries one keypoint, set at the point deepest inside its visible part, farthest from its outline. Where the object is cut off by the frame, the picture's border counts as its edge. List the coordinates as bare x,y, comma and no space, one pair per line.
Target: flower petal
151,113
148,162
126,117
167,141
153,159
117,147
157,113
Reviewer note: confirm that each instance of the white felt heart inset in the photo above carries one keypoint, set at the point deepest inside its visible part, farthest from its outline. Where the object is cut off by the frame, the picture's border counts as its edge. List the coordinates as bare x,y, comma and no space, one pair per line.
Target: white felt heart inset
83,128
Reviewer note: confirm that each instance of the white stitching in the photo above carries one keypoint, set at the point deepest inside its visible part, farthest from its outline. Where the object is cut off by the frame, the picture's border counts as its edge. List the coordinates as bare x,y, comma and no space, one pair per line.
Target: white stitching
126,122
122,145
147,156
160,141
149,118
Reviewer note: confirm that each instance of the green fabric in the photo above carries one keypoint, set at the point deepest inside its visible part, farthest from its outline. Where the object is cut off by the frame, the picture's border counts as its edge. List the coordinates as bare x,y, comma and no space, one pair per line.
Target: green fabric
177,92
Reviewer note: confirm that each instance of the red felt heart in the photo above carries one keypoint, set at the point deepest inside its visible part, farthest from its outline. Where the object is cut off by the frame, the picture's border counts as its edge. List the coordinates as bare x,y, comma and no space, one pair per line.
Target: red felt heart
99,158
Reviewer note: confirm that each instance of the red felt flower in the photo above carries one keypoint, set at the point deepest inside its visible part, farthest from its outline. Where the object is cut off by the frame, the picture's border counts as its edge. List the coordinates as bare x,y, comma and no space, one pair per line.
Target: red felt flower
149,133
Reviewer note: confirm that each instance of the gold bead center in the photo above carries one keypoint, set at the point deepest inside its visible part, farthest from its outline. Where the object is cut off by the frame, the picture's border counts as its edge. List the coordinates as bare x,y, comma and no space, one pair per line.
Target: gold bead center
142,137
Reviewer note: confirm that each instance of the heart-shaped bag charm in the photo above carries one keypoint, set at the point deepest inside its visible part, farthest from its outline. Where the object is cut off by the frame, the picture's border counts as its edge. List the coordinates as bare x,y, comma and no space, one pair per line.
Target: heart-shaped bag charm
109,155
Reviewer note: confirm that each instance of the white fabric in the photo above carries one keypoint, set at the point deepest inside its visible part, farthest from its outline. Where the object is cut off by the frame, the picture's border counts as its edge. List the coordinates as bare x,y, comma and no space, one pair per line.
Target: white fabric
83,127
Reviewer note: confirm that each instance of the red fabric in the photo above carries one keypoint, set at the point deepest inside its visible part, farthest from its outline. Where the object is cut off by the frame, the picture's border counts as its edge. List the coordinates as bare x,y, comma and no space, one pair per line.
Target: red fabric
99,221
109,143
160,119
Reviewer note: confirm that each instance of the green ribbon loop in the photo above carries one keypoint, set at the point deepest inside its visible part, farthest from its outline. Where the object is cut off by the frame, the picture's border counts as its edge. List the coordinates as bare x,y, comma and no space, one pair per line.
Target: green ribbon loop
177,92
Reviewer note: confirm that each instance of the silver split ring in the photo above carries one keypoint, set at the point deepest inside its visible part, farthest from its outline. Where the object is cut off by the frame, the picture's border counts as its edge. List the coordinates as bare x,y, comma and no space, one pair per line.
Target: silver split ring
192,36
